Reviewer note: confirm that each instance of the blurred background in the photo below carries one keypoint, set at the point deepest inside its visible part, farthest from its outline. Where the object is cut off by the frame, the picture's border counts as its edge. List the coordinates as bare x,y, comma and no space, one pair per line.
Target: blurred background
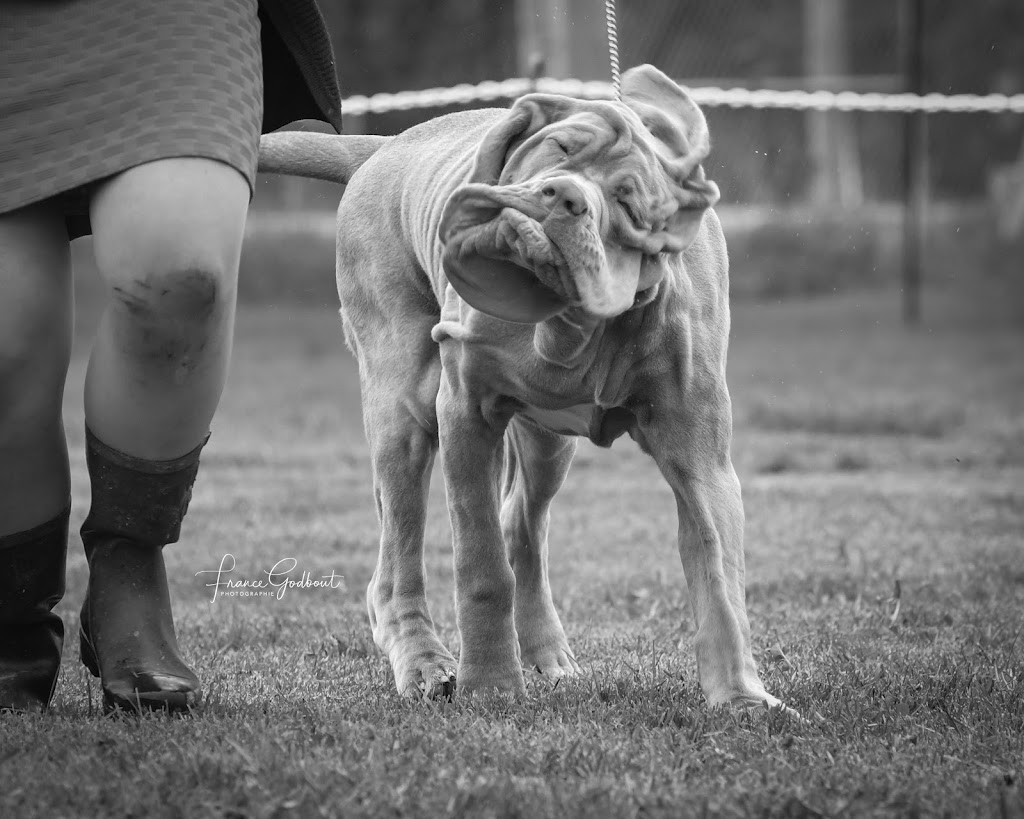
813,201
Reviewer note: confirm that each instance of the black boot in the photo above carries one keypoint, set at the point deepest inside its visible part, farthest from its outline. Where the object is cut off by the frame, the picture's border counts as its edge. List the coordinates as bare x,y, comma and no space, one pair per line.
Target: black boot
127,637
31,635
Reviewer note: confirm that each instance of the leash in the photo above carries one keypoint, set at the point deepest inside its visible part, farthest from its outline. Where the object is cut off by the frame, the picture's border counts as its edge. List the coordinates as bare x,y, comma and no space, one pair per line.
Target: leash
613,46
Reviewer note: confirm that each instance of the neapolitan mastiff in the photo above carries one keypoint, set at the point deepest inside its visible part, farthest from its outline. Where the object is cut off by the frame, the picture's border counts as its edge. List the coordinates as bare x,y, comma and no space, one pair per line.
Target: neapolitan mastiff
511,280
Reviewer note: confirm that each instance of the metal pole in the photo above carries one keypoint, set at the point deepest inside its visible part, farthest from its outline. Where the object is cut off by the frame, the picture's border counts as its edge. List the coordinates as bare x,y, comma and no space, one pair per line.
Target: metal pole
915,162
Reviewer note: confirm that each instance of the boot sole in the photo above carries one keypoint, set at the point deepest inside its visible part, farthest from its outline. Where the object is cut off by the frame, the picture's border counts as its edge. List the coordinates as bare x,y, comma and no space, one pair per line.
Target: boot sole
175,702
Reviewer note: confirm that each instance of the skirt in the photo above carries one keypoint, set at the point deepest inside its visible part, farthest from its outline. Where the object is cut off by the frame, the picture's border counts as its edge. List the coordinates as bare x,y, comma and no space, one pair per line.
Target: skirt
90,88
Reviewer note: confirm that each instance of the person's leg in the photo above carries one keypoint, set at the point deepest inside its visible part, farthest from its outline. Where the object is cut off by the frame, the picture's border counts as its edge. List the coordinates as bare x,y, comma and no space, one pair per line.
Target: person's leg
36,317
167,239
168,236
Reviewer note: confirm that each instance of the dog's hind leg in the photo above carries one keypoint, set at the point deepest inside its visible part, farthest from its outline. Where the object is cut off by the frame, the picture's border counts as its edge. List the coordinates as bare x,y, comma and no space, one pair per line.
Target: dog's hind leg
399,372
536,463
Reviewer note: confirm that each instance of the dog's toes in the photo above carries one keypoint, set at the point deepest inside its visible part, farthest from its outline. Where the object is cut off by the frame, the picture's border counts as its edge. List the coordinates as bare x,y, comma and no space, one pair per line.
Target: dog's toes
554,663
430,683
426,674
768,705
441,685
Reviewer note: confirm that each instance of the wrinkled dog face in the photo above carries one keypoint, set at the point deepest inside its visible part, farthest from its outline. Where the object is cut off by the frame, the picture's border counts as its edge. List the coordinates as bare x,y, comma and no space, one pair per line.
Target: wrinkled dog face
571,202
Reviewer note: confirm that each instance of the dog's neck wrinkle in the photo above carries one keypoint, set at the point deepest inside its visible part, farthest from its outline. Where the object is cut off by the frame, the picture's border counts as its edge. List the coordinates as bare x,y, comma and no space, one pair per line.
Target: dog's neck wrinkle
563,339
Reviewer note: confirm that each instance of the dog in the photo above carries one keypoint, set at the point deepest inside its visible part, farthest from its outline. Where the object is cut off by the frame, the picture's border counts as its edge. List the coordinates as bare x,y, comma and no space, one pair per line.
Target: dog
512,280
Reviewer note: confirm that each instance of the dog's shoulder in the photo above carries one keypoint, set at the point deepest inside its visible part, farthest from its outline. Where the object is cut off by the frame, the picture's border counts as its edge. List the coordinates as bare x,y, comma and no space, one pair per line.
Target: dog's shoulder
419,157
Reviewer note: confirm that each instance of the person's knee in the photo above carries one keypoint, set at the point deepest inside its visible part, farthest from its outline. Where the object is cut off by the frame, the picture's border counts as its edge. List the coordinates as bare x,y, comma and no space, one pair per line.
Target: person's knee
176,316
186,295
167,237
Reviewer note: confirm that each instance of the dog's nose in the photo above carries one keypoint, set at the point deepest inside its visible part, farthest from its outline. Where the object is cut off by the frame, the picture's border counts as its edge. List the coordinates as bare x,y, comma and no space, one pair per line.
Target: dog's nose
565,195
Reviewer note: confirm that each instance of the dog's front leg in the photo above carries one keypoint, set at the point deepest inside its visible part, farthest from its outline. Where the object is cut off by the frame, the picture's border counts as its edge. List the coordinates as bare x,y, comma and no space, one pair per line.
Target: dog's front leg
536,463
691,447
471,438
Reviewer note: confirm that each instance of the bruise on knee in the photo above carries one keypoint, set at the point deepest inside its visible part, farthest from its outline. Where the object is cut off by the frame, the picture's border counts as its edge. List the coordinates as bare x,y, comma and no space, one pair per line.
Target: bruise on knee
170,322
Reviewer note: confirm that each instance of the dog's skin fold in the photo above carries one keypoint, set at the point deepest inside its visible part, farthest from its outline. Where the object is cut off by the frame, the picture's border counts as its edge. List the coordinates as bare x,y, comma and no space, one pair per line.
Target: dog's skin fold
511,280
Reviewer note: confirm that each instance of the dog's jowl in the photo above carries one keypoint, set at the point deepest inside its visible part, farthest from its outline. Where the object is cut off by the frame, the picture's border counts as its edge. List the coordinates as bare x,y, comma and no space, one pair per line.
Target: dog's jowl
511,281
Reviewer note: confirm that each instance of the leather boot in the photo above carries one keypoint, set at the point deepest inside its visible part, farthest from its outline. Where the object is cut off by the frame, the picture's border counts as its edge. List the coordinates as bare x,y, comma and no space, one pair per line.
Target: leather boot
127,636
31,635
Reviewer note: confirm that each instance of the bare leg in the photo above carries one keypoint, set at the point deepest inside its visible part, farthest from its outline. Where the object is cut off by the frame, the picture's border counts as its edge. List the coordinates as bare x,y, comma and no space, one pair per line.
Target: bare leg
35,346
36,321
536,463
168,236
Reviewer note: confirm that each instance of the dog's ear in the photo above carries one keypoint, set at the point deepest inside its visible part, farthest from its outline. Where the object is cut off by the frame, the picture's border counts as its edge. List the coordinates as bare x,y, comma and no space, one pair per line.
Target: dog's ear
681,140
524,119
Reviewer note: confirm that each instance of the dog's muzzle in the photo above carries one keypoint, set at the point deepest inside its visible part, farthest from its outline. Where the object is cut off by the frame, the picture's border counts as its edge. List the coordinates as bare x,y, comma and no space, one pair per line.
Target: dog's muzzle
526,253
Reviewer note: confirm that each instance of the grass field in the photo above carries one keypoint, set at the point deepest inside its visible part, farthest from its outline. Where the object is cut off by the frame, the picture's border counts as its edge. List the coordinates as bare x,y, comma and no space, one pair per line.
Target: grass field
883,473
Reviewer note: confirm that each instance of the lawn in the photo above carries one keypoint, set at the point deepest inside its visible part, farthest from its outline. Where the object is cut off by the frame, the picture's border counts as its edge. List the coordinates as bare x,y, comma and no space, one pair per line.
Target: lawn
883,475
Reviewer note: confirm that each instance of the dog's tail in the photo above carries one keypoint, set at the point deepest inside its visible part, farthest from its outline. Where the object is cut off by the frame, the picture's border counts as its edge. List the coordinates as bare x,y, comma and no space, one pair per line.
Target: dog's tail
319,156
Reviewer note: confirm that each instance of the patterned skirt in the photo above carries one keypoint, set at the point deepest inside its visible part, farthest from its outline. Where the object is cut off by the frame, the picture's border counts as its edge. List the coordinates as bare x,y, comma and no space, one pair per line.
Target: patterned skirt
89,88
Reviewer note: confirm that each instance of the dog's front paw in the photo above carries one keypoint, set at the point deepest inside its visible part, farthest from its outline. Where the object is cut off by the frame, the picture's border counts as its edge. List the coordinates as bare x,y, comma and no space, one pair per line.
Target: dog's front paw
764,703
774,712
423,668
502,675
552,662
433,679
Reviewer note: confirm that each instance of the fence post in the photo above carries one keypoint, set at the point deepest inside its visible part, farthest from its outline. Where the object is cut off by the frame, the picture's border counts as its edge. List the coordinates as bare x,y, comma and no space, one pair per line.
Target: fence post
831,135
915,162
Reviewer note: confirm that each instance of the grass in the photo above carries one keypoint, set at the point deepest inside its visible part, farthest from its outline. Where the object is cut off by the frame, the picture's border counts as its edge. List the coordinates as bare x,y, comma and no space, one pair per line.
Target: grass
883,473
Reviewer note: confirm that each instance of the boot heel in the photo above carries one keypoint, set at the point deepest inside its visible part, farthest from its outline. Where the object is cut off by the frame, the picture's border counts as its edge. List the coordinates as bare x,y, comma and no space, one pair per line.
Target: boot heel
88,654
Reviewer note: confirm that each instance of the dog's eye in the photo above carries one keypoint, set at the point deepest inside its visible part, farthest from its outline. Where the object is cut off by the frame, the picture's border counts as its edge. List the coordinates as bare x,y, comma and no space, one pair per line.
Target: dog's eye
630,212
561,145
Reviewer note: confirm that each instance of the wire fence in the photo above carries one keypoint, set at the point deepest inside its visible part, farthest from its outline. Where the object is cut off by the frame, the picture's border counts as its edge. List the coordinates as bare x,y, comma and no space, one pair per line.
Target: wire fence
797,100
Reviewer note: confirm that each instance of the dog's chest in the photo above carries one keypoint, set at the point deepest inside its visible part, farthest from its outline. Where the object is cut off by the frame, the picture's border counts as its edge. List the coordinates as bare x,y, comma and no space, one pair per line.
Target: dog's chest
602,425
574,420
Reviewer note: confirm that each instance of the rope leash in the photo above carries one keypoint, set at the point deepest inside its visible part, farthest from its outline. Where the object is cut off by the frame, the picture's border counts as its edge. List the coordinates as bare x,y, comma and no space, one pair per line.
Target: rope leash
613,46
